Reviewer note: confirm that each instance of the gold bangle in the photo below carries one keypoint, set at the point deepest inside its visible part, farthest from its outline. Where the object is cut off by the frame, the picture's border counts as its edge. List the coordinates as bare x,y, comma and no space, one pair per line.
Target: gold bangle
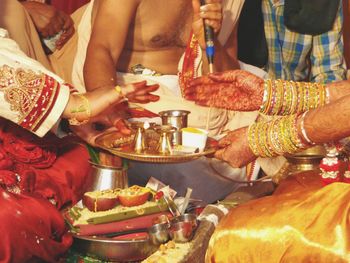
118,89
84,107
305,137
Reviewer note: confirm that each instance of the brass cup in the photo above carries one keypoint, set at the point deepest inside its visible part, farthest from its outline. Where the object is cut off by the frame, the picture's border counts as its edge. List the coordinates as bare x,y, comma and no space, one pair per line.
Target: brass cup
177,119
164,145
139,141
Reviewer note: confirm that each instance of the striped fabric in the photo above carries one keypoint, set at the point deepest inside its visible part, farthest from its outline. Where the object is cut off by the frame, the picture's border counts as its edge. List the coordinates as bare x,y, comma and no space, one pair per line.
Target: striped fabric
291,53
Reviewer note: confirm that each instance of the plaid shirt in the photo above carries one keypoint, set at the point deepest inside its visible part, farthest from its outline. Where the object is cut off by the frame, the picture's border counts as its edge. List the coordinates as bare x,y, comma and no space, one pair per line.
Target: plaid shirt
295,56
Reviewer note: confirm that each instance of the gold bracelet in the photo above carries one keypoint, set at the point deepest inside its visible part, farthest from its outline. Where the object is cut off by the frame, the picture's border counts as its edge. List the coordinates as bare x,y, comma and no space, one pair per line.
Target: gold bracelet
84,107
118,89
305,137
252,142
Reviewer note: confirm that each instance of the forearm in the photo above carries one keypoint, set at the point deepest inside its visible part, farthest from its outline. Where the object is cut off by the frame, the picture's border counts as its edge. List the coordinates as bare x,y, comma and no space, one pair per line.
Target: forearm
225,57
329,123
222,60
338,90
101,74
80,106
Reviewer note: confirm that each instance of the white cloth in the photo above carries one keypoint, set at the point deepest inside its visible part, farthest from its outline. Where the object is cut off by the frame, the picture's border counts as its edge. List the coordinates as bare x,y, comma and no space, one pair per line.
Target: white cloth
11,57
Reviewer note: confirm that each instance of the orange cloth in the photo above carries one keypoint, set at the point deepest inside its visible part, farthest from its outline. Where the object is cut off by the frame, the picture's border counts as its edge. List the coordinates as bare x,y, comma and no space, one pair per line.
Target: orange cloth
302,222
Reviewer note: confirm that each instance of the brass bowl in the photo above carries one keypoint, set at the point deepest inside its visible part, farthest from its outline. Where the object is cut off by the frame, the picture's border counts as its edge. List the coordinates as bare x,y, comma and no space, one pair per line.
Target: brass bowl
306,160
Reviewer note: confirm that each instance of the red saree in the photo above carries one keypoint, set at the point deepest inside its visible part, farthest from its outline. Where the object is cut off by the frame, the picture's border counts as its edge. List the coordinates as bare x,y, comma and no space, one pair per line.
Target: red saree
35,174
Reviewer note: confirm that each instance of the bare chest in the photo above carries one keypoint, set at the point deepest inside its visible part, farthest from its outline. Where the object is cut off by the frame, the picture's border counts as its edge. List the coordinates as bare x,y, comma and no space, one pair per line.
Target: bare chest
161,24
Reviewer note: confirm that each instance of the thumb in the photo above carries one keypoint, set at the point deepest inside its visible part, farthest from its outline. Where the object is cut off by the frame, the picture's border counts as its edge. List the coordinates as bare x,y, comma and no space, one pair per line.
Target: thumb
122,127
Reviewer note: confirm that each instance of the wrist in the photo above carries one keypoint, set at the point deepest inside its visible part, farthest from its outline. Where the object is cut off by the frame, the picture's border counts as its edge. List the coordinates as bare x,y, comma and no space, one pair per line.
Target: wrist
78,110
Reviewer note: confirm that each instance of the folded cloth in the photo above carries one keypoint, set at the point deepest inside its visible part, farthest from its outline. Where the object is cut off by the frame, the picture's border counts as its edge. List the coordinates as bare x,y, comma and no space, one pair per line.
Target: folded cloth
312,17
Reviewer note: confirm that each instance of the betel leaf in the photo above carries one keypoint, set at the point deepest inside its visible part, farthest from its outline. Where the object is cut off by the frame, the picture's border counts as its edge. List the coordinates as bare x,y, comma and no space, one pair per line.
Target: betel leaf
93,153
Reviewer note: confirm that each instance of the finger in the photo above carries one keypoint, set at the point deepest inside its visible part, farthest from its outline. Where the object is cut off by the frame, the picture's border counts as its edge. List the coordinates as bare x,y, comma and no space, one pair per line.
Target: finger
56,26
205,103
226,76
153,98
224,142
219,154
140,84
68,22
211,15
211,7
201,81
216,25
51,31
144,98
190,95
44,32
213,1
65,37
147,89
122,127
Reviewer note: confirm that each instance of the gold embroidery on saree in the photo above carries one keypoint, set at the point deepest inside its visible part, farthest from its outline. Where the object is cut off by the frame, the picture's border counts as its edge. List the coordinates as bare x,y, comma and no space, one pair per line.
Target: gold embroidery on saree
21,88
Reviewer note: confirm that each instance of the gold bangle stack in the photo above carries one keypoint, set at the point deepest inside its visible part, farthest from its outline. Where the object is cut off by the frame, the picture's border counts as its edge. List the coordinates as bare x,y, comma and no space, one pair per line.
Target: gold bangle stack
82,109
289,97
276,137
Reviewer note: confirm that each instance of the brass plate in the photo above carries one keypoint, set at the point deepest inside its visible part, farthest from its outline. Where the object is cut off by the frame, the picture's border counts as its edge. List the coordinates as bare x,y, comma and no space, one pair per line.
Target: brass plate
110,249
110,142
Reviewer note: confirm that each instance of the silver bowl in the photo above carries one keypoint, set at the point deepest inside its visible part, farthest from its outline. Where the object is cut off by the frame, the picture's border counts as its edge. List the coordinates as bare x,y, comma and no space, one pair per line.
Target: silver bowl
103,177
192,218
110,249
159,234
181,232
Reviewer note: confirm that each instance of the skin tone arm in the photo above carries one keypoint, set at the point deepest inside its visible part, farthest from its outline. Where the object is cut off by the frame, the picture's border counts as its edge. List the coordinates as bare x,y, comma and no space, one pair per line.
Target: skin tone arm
106,47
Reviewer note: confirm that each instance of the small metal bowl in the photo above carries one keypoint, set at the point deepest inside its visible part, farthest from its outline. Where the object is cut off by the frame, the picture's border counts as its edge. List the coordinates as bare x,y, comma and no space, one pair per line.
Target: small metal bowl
158,233
192,218
181,232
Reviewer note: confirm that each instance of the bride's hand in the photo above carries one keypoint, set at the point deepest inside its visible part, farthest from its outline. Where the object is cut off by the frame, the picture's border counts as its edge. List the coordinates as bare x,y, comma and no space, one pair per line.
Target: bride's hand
234,148
91,104
140,92
233,89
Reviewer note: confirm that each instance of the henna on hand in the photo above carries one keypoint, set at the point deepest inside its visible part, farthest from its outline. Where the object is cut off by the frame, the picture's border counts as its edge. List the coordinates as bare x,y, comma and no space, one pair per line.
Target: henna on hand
235,149
233,90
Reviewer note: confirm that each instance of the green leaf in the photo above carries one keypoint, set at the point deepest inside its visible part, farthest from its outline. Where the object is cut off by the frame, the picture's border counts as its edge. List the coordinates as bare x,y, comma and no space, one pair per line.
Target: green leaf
94,154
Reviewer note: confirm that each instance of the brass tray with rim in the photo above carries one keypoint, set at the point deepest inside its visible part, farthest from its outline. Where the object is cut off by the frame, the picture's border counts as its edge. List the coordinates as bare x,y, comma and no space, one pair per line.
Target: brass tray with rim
110,142
114,250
